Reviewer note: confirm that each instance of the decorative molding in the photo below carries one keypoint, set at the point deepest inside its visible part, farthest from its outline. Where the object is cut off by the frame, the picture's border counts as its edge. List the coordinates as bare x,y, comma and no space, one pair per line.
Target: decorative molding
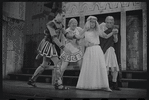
74,9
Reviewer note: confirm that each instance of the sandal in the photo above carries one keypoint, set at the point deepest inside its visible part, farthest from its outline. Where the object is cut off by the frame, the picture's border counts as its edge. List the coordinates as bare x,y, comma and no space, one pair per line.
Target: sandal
57,87
32,83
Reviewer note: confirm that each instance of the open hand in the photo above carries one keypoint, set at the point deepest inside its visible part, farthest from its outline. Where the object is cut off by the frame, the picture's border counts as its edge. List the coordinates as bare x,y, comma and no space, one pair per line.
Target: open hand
86,28
115,31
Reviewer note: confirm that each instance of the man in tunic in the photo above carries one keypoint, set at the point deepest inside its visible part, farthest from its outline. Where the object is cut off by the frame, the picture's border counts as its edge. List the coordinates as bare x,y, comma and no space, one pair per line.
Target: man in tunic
49,48
108,49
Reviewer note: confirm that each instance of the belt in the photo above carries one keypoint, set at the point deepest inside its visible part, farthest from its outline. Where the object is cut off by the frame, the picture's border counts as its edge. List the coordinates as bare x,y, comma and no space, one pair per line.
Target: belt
93,45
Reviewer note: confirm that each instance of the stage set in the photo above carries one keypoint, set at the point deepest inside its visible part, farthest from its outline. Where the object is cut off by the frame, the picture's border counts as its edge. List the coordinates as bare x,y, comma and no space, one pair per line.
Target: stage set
22,31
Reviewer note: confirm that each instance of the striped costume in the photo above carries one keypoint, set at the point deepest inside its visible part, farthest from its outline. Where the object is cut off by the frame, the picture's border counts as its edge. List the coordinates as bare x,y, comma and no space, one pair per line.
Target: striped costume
47,47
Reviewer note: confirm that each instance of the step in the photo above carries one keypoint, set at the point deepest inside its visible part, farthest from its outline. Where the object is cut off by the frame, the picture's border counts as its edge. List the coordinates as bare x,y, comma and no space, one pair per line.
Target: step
133,80
132,71
32,70
134,74
72,80
74,71
70,71
41,78
67,80
26,77
134,83
52,67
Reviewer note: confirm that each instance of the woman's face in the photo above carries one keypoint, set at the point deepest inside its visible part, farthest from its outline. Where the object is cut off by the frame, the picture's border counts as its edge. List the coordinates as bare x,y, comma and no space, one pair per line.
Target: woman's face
73,25
92,24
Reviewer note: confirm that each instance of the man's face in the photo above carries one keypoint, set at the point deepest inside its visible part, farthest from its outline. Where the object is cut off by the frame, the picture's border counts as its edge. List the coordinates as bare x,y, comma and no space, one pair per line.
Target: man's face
109,23
60,17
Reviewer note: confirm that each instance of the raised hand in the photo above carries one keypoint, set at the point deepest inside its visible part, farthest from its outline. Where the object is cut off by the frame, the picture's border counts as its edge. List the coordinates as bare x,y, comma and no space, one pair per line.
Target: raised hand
115,31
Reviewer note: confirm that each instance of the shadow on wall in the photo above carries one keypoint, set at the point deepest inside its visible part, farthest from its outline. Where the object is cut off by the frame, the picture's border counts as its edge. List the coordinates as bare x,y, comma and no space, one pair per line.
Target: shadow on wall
30,53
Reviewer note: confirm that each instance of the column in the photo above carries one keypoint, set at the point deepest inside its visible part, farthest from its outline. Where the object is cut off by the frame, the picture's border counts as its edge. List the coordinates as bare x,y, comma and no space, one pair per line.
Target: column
144,12
123,39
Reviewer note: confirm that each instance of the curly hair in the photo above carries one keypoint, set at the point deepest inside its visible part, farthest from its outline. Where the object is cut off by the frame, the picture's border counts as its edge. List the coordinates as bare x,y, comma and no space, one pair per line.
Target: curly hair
72,20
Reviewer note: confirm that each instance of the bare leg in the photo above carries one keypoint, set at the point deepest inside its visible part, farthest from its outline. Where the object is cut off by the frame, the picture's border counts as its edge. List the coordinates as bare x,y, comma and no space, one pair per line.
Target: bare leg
58,74
80,63
57,71
64,66
114,76
114,79
108,88
38,71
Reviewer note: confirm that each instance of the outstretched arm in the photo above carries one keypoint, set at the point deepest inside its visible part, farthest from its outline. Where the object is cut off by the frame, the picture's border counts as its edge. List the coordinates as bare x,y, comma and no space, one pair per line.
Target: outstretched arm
102,32
80,35
106,36
82,32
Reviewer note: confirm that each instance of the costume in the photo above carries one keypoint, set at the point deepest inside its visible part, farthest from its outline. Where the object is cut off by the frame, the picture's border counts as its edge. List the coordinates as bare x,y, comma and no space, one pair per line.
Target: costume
108,49
73,46
93,74
110,56
49,49
47,46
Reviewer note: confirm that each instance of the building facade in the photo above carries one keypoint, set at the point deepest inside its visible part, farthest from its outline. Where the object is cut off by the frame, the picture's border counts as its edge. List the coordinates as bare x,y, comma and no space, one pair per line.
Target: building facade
132,20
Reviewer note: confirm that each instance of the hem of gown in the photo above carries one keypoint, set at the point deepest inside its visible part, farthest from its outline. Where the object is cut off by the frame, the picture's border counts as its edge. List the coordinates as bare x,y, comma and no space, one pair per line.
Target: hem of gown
103,88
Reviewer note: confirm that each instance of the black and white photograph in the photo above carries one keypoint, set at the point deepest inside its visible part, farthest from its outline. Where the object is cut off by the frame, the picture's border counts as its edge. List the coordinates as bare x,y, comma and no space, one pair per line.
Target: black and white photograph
74,50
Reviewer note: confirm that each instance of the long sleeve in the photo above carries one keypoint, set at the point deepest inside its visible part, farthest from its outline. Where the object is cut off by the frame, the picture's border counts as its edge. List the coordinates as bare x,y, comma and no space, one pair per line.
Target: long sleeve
102,31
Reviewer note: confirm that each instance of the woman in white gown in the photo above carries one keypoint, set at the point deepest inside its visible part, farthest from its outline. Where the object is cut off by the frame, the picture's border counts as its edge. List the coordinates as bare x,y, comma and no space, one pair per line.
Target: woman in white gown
93,74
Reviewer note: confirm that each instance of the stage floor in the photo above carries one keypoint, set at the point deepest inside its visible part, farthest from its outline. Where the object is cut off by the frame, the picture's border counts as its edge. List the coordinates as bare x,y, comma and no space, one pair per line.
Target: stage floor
20,89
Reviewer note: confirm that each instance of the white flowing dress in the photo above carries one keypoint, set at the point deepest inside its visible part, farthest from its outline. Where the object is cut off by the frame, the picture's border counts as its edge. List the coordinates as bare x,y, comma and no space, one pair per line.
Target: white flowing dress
93,74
